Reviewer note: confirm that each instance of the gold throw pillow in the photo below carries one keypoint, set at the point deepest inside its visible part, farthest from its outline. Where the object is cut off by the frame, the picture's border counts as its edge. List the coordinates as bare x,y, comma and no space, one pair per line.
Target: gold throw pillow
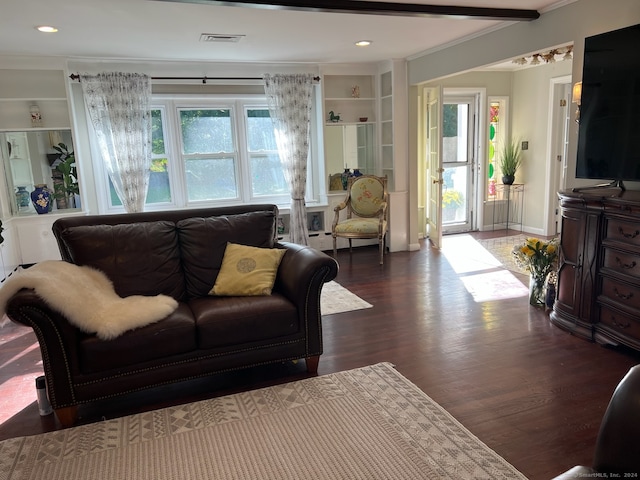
247,271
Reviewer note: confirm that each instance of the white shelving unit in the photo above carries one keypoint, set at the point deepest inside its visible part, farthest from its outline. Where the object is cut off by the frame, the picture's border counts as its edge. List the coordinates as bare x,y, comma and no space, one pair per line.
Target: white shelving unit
340,98
23,88
27,233
386,126
351,141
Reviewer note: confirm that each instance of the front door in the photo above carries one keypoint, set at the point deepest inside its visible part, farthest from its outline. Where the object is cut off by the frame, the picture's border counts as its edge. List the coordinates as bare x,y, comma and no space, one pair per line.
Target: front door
458,160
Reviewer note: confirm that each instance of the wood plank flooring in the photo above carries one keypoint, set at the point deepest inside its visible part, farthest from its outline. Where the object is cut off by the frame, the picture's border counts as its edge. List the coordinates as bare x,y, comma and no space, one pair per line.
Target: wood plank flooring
532,392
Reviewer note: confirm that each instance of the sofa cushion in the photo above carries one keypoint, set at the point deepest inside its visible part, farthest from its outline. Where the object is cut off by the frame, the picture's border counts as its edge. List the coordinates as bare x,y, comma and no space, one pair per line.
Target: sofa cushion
174,335
247,270
239,321
203,242
139,258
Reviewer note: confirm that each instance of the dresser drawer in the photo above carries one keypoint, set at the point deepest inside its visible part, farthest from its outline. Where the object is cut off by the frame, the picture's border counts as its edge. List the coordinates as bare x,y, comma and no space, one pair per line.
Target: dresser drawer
625,263
619,322
627,295
625,232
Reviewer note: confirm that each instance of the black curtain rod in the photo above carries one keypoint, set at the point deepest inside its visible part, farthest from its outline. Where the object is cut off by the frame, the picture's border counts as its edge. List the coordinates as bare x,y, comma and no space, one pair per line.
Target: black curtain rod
75,76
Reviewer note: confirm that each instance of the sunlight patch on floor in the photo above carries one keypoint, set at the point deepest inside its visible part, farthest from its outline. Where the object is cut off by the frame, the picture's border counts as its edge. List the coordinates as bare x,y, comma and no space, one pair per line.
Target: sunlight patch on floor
499,285
23,393
469,259
466,255
19,355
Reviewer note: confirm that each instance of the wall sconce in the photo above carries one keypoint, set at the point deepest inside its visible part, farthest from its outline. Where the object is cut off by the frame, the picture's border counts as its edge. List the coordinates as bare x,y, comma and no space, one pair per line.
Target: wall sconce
576,97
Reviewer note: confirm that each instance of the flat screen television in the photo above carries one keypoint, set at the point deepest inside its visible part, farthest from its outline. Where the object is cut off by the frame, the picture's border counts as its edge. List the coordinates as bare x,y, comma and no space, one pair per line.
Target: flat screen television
609,131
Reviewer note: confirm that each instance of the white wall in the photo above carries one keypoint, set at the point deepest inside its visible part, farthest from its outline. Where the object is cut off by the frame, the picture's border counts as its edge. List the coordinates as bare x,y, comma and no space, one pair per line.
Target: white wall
495,83
529,121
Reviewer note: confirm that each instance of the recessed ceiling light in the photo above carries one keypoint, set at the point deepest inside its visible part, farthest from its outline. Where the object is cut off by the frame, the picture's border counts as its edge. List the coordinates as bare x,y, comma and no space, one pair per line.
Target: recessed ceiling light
363,43
47,29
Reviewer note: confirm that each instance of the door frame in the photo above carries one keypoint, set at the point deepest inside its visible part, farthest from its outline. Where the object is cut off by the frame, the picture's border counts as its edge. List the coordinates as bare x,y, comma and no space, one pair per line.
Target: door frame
473,96
433,173
480,150
559,125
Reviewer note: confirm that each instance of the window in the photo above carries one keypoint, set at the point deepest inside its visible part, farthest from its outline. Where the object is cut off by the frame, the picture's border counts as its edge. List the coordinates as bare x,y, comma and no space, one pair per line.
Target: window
212,151
267,177
497,128
209,154
159,187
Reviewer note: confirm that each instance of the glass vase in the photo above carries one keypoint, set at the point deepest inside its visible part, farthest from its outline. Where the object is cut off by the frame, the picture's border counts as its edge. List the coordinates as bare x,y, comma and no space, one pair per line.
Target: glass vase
536,290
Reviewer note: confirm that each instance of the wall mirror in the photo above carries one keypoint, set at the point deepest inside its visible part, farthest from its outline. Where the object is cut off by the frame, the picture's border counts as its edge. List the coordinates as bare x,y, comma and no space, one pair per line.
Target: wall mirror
349,146
42,157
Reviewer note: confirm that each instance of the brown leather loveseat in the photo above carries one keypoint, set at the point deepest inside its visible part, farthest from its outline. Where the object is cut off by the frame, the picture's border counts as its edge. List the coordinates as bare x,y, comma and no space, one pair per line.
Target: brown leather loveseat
176,253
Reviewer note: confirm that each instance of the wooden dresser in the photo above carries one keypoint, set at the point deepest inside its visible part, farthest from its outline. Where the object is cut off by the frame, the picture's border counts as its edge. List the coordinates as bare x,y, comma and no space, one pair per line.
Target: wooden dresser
598,290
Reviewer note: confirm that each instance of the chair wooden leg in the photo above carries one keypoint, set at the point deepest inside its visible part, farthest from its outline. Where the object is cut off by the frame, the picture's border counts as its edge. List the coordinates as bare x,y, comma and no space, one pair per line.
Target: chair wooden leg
335,248
381,251
312,364
350,247
67,415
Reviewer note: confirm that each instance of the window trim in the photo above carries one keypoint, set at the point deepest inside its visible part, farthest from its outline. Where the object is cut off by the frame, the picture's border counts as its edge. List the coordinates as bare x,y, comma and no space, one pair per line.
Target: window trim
170,104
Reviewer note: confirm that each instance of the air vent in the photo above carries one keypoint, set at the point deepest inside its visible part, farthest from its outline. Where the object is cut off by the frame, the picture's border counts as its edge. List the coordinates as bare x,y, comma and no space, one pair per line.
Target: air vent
220,37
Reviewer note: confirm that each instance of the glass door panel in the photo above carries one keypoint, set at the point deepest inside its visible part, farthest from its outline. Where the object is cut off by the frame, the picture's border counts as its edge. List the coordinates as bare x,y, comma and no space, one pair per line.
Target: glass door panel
457,155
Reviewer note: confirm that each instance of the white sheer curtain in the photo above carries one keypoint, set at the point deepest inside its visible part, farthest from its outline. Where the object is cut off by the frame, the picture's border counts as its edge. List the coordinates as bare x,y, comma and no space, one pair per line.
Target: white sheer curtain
119,106
290,99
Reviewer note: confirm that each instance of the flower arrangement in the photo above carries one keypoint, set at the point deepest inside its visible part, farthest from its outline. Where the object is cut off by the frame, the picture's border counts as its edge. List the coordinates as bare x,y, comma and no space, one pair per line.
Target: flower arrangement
537,256
452,198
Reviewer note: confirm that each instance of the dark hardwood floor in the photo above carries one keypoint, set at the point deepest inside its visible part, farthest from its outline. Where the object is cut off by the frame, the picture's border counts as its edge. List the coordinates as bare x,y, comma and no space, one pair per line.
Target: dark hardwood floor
532,392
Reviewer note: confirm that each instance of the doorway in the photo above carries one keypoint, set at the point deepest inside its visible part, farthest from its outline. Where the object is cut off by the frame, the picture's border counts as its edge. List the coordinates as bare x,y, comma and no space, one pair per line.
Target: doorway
560,124
459,147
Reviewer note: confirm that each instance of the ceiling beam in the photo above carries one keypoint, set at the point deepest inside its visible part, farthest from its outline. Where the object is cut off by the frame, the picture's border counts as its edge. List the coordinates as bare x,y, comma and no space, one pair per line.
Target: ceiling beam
377,8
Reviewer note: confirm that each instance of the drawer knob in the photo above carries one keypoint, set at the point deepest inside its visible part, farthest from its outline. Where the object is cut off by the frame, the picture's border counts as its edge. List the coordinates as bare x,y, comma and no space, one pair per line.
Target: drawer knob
623,296
625,265
628,235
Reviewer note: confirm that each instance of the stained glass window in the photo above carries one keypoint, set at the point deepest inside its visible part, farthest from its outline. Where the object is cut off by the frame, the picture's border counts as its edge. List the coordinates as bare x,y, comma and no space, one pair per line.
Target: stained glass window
494,126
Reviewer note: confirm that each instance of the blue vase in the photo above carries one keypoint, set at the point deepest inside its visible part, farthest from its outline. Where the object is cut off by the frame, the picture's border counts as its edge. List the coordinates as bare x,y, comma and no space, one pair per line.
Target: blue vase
22,197
357,172
41,198
345,178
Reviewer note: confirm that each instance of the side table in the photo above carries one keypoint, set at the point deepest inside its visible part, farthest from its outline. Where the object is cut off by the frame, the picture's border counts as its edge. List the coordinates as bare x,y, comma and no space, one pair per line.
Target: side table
507,205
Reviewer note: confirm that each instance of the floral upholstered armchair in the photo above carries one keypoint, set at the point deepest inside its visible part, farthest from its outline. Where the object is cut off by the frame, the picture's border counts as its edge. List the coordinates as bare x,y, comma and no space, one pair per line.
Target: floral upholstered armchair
366,215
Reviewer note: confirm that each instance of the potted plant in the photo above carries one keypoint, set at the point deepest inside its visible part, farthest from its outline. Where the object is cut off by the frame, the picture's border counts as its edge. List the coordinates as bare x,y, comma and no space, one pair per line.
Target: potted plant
510,160
451,200
65,190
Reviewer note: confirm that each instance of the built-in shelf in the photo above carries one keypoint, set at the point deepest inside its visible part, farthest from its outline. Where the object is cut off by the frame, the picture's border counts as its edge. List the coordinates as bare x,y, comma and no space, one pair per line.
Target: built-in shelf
350,142
22,88
386,127
351,97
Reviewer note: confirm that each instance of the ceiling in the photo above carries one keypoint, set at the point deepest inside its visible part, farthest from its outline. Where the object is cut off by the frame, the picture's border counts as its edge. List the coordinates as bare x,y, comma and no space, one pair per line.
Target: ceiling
161,30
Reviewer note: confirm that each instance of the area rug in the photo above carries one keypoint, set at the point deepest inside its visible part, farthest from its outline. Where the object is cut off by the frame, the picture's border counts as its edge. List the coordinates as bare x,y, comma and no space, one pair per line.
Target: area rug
337,299
501,248
367,423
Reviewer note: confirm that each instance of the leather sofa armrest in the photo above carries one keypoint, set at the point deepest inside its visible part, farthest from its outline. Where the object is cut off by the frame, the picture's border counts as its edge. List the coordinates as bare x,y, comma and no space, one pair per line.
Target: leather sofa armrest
58,341
301,275
617,446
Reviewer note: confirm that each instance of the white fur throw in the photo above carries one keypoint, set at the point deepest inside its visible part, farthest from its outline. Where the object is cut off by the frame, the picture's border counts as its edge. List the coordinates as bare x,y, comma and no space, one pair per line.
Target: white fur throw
86,297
